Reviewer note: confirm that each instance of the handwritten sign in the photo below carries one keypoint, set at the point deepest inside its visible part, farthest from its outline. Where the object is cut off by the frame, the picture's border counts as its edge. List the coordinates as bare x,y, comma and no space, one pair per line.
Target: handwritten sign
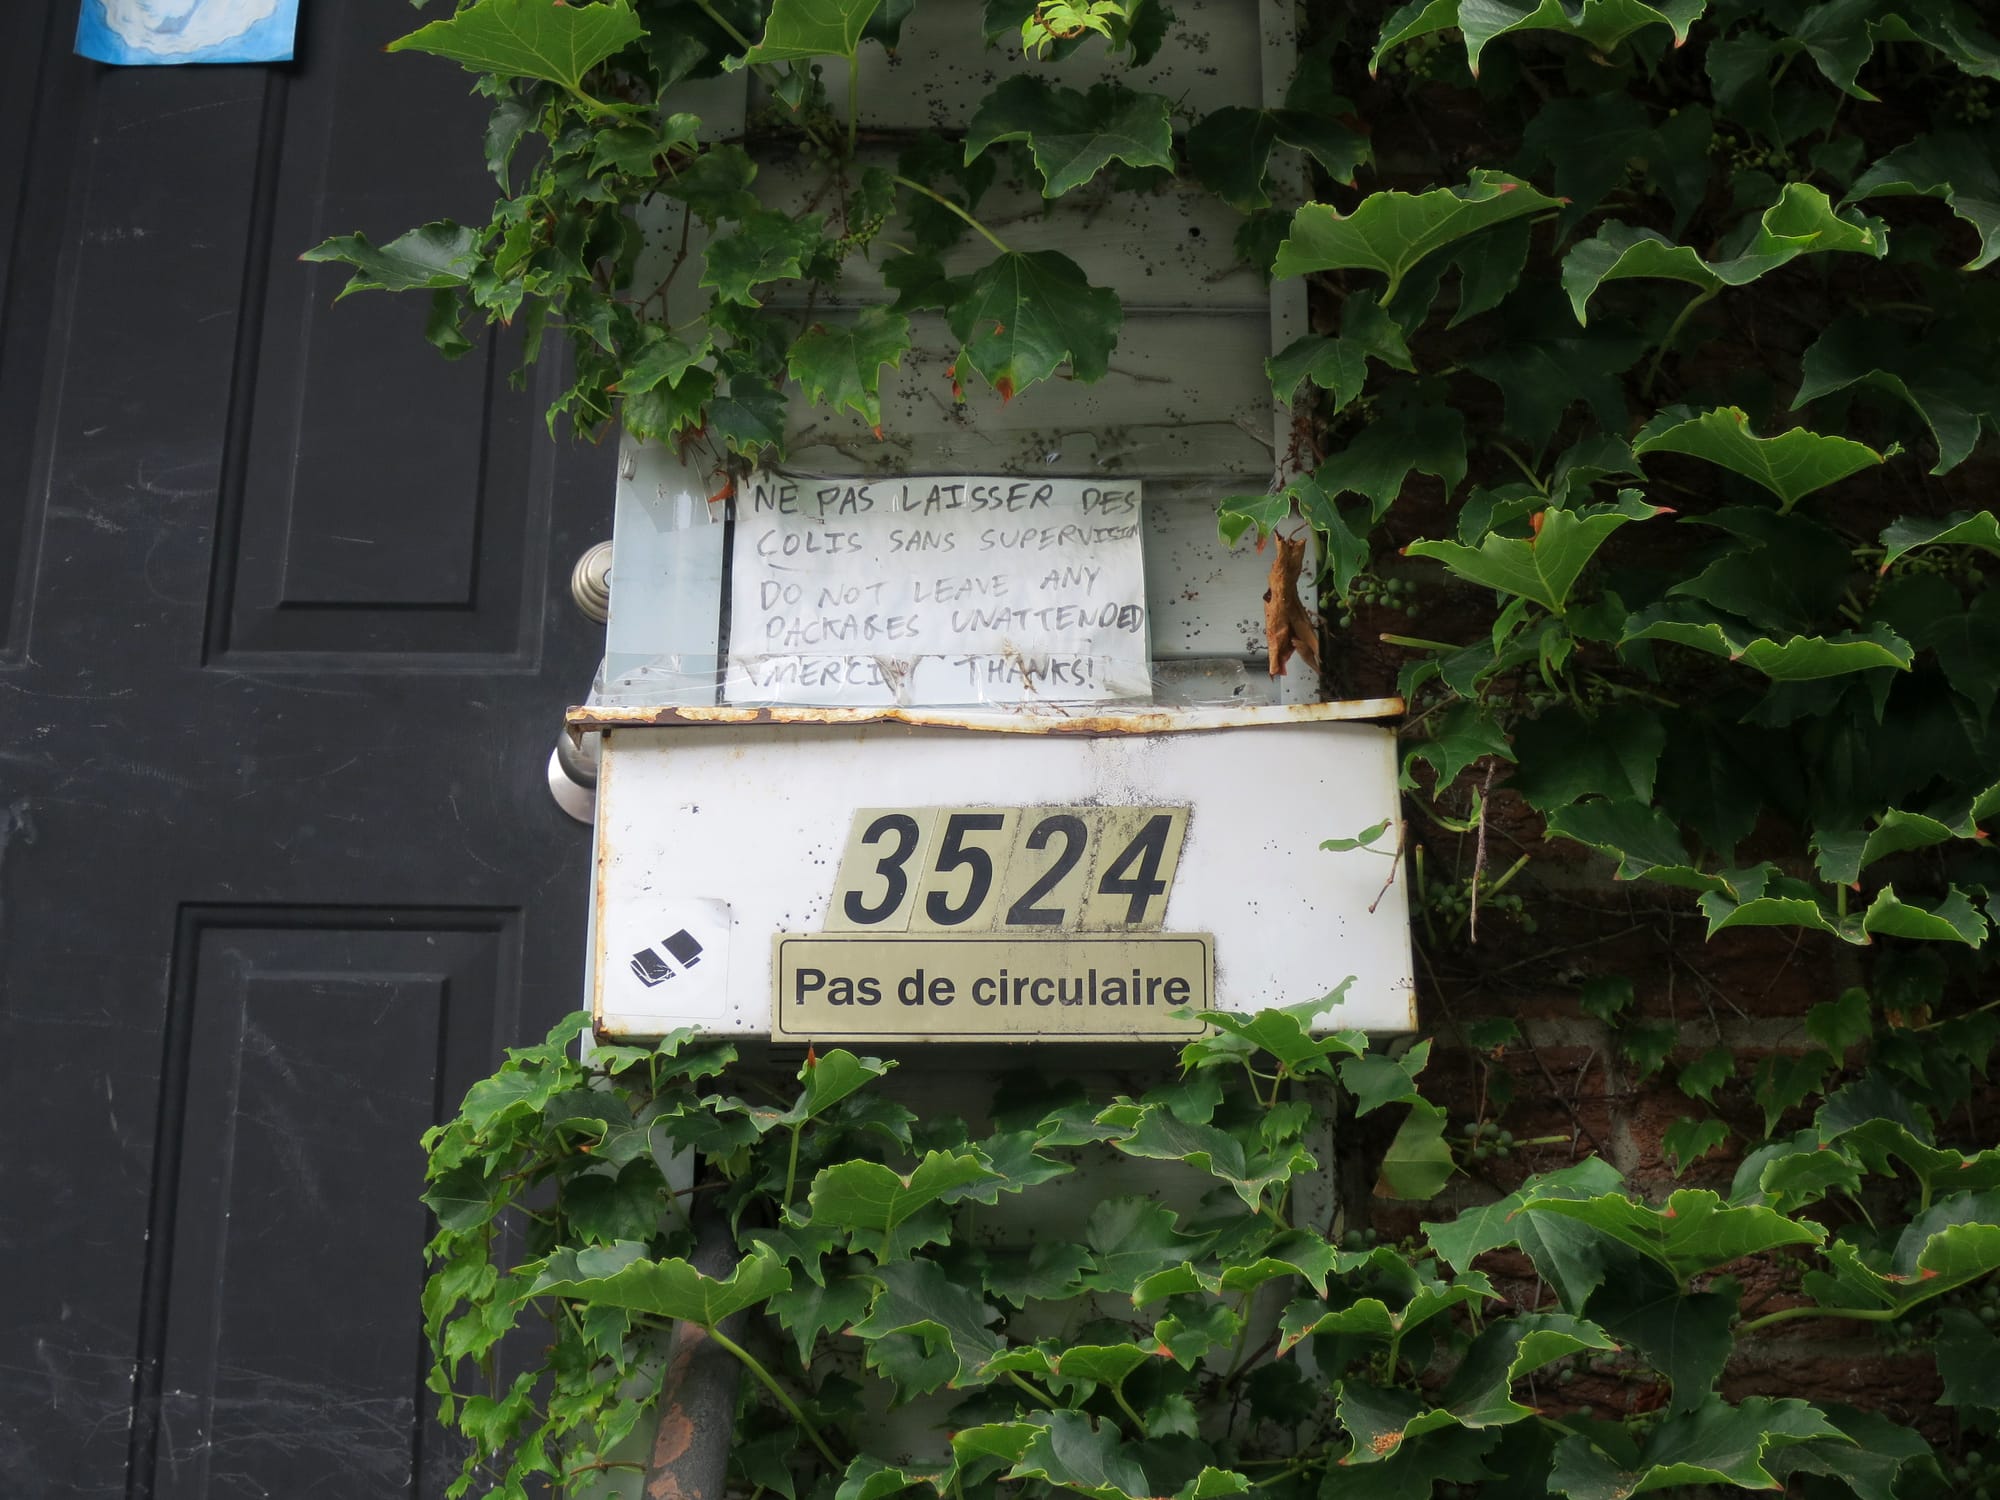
951,590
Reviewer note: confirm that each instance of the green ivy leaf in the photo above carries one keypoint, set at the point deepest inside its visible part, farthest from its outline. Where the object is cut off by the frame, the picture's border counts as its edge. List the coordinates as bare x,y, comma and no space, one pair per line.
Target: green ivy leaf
1642,839
1687,1336
436,256
1371,1317
1295,1252
1802,221
866,1198
1569,1256
1479,1393
764,246
1841,854
1932,1257
1025,313
529,38
1544,566
841,364
463,1198
604,1208
1963,528
806,1310
638,149
1541,378
1195,1327
1715,1444
1418,1162
1131,1238
1803,658
663,410
1463,737
801,29
1952,920
1880,1142
1601,23
1340,365
1159,1134
1956,166
1594,142
1869,1458
1229,150
918,1297
1692,1232
1686,1141
660,359
1044,1273
1213,1484
1790,465
1378,462
716,185
1391,232
1285,1033
1071,1450
1073,135
1379,1079
1968,1357
620,1276
1419,1466
1860,351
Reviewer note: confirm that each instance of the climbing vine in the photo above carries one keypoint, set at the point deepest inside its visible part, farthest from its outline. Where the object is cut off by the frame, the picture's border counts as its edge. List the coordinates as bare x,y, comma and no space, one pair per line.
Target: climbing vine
1216,1336
1645,432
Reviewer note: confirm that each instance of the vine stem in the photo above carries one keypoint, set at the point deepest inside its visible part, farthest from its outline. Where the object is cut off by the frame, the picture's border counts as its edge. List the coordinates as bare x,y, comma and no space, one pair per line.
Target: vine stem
792,1167
943,202
853,100
1673,332
1786,1314
1522,464
1138,1422
1040,1395
755,1367
708,9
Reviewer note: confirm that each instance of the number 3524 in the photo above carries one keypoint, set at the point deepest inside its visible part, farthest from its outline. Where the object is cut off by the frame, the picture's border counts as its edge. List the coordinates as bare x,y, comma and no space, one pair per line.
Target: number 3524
1033,869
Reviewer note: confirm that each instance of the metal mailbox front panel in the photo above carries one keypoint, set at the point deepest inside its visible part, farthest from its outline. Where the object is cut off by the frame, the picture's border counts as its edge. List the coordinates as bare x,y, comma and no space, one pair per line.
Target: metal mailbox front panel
715,840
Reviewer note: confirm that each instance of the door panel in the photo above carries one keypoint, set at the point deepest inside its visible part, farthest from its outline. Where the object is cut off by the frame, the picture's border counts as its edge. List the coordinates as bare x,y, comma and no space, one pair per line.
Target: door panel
285,639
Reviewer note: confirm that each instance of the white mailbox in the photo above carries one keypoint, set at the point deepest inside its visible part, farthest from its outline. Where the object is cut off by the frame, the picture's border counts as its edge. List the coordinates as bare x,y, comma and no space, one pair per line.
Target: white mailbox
964,728
876,875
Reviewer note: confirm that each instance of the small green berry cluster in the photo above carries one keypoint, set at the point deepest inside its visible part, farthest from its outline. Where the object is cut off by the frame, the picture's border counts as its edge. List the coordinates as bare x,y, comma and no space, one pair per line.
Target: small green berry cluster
1977,1479
1485,1140
1418,60
1954,565
1968,101
1381,593
1454,904
860,233
1748,155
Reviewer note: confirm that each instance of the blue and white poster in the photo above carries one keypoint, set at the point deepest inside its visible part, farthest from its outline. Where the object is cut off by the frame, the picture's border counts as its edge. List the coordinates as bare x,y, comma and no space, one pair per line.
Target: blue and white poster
155,32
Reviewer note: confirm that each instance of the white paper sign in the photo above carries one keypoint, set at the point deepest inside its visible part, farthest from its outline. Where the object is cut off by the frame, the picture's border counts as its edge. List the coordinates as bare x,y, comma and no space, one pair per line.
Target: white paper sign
950,590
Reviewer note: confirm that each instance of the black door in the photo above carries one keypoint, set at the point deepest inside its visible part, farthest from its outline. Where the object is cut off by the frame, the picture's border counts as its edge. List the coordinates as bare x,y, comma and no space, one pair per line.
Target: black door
284,642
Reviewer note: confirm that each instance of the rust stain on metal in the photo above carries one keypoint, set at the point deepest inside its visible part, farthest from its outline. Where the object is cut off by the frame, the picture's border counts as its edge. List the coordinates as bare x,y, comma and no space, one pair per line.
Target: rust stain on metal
582,720
600,894
676,1431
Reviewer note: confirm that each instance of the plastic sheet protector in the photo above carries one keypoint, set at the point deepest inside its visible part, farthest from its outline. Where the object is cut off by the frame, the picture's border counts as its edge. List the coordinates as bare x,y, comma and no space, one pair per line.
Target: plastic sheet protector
936,590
